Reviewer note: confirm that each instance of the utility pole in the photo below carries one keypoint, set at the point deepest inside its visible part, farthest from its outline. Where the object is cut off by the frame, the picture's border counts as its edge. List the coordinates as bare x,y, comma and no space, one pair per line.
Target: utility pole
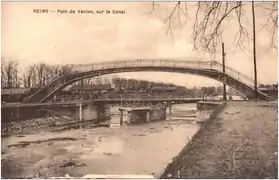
254,52
224,71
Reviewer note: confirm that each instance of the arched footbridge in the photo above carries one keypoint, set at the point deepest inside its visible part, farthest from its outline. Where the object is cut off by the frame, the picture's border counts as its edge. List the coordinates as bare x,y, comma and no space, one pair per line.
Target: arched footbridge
211,69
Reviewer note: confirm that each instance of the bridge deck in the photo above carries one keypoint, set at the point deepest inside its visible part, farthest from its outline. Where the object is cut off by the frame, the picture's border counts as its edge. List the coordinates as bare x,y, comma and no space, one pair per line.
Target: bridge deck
211,69
134,108
112,101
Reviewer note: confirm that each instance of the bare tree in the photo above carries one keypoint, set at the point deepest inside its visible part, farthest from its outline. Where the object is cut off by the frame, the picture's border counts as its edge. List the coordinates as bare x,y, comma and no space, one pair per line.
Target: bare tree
3,78
98,79
29,77
210,17
26,80
107,79
271,12
32,75
40,71
46,73
51,72
54,72
9,73
65,70
38,75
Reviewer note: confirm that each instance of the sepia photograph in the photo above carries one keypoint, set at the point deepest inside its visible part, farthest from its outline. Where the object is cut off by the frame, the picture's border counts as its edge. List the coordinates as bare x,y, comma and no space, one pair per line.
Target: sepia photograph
150,90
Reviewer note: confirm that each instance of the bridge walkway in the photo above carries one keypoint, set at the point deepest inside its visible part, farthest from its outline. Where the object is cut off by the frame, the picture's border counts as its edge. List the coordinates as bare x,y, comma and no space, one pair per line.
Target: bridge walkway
212,69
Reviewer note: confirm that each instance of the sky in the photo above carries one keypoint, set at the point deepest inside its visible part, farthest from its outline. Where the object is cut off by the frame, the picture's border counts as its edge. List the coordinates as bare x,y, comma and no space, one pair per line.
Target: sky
57,38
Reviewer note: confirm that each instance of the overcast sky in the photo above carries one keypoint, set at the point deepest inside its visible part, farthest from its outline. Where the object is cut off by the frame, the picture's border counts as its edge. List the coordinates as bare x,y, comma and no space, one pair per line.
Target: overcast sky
55,38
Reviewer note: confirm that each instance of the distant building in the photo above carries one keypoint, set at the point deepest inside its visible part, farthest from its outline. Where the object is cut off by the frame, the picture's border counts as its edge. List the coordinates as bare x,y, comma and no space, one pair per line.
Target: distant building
91,88
267,88
15,94
83,91
167,89
11,91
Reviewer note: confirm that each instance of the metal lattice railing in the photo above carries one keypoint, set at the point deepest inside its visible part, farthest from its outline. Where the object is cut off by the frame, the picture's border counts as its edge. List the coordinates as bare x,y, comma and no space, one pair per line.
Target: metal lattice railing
54,81
75,69
213,65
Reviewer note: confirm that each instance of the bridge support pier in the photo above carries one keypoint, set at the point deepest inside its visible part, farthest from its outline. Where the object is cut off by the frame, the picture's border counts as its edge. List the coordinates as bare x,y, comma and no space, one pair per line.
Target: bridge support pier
169,110
142,114
17,114
96,112
80,112
148,116
121,117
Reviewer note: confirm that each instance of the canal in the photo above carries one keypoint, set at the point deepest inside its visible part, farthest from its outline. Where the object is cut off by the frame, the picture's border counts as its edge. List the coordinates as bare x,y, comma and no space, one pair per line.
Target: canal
144,149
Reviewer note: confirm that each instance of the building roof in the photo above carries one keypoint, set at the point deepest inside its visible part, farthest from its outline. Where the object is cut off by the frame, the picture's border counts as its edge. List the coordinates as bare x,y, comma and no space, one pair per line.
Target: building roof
267,88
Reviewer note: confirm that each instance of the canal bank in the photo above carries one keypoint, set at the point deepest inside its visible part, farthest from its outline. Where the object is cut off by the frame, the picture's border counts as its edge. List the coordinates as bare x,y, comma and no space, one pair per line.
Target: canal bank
240,141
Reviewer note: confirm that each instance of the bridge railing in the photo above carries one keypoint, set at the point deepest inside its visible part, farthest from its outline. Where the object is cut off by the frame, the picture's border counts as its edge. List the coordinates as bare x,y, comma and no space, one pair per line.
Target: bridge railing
151,99
214,65
67,70
236,74
140,63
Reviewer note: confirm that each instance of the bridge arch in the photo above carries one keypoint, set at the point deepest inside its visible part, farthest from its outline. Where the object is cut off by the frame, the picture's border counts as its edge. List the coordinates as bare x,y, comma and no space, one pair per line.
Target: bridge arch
210,69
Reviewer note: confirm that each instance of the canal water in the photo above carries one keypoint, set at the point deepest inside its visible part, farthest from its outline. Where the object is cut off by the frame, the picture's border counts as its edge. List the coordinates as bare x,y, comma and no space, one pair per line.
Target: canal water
144,149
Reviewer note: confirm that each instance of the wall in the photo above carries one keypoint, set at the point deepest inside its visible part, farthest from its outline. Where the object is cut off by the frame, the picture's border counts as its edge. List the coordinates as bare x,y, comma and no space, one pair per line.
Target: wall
15,114
89,112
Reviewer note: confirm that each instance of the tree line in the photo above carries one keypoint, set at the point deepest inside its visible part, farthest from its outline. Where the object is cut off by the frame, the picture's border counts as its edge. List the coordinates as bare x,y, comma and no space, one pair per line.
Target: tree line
141,85
34,76
39,75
